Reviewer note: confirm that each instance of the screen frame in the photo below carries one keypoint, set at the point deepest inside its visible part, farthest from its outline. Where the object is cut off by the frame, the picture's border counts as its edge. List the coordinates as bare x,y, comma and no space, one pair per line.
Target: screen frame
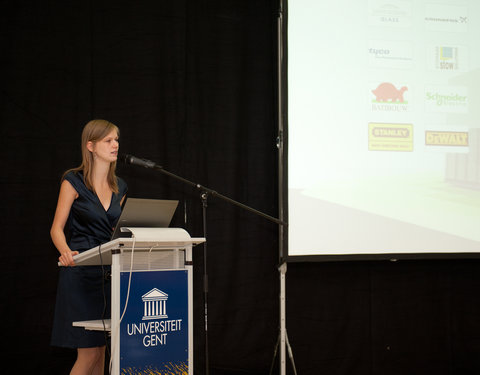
282,144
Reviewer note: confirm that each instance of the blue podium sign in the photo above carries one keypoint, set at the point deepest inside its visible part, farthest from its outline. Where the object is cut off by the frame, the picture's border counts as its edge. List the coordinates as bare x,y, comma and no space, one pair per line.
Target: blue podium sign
154,328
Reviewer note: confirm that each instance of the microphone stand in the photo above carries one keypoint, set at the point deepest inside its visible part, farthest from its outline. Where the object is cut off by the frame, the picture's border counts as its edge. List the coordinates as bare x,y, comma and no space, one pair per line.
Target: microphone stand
207,192
204,193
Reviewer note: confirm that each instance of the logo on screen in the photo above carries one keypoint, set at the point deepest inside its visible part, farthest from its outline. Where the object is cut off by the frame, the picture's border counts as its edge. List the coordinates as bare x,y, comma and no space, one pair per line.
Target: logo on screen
155,305
446,99
445,17
446,138
447,58
390,137
388,97
390,54
390,13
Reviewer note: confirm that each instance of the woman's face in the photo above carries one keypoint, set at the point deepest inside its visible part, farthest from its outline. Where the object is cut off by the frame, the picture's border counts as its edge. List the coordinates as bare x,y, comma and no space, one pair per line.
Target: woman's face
106,149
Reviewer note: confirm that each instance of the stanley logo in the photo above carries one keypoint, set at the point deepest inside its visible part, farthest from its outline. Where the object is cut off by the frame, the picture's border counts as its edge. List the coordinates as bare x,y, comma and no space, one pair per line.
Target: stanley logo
391,132
437,138
390,137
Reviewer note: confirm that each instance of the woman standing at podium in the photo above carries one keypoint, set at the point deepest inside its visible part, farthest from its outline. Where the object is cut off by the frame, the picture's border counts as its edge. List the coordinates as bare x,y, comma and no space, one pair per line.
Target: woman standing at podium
89,205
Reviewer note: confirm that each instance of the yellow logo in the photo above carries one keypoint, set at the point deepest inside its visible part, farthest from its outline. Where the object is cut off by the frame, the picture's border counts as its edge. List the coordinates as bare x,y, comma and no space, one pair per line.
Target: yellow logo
437,138
390,137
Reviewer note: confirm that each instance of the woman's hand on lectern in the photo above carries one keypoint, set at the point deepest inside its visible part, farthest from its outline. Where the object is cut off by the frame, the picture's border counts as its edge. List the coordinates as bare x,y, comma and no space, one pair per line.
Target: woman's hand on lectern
66,259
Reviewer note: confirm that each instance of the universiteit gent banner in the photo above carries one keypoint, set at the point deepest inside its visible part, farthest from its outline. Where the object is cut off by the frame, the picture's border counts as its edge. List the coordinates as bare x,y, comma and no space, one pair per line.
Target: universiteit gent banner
154,329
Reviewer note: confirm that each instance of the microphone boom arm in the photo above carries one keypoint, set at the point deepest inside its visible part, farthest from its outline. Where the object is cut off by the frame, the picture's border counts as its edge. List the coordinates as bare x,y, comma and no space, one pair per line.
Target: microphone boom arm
129,159
213,193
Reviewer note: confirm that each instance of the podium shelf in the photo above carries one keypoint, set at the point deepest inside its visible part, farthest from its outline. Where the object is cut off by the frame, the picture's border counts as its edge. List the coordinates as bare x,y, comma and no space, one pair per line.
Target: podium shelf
94,325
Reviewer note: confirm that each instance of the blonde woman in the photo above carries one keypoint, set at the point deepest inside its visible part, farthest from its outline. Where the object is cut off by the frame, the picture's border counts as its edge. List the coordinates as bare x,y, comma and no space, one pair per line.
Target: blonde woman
89,205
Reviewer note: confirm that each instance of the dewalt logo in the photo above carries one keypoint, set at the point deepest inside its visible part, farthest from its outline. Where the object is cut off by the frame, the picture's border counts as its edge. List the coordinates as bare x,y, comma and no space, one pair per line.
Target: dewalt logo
446,138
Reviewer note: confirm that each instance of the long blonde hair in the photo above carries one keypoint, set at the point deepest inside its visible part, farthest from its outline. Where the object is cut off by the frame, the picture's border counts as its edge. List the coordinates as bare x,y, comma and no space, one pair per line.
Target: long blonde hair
94,131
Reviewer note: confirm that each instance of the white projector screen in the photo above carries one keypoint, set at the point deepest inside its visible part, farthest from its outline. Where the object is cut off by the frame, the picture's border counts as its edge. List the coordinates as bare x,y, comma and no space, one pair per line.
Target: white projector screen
383,127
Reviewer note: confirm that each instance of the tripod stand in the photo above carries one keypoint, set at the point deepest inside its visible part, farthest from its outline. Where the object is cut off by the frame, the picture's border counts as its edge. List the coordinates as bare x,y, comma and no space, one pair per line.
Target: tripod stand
282,340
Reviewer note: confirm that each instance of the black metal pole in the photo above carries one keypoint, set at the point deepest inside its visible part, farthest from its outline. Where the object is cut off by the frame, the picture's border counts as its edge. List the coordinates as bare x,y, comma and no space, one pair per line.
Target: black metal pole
204,198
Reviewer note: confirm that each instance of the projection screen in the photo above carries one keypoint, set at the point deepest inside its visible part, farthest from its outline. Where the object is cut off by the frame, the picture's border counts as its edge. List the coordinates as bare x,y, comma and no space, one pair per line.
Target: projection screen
383,128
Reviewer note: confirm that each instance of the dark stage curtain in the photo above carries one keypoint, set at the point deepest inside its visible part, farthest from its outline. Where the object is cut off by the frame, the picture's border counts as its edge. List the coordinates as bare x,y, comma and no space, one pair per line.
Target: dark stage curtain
192,86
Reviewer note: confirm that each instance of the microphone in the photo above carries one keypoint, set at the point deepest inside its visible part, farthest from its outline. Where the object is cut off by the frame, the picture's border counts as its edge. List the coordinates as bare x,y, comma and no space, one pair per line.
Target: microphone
130,159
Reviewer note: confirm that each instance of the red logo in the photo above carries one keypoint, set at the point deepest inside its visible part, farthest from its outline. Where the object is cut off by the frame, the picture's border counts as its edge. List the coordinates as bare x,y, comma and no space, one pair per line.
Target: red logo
387,92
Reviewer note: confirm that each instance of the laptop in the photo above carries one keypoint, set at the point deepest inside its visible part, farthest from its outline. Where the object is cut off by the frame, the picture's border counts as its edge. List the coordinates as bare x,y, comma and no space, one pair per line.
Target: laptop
144,213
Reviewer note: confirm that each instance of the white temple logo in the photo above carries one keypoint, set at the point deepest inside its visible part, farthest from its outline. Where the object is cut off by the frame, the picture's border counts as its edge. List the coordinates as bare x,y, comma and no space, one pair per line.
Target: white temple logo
154,305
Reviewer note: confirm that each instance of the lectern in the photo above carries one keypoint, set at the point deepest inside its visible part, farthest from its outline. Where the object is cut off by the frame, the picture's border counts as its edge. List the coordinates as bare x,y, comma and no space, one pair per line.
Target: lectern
152,300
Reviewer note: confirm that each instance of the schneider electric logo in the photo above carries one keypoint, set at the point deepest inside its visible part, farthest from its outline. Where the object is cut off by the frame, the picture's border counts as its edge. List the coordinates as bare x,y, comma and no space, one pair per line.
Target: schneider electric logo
155,326
446,99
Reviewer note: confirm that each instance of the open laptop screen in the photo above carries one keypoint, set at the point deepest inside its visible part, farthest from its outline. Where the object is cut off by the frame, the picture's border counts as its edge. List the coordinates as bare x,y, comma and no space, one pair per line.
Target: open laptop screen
146,213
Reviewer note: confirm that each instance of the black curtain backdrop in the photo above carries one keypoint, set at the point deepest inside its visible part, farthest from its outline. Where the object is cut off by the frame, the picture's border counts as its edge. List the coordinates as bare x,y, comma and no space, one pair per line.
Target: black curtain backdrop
192,86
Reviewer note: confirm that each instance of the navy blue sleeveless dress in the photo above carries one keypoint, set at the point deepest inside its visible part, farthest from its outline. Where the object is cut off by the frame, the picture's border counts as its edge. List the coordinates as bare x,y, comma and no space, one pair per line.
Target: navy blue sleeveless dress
83,292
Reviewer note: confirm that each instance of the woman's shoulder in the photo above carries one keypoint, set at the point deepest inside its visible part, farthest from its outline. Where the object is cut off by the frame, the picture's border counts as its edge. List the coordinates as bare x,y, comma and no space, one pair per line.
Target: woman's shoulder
74,177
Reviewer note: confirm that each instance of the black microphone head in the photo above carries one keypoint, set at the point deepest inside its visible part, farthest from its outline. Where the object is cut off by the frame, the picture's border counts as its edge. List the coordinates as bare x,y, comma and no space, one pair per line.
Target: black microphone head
133,160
